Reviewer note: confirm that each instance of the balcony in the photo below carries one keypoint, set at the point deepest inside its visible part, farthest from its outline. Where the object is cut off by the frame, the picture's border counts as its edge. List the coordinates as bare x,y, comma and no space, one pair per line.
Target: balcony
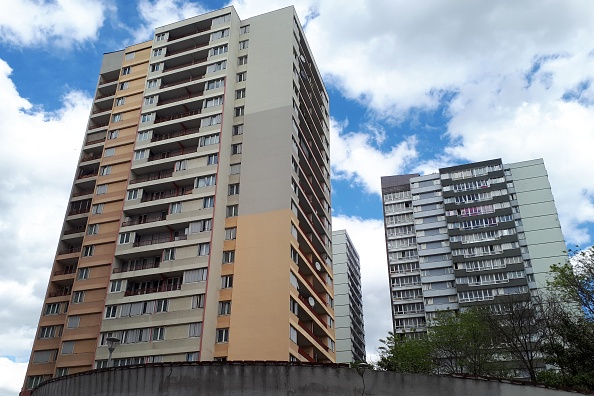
59,293
191,33
137,267
142,220
186,49
71,249
185,80
155,196
306,355
311,310
82,192
149,290
95,141
173,153
312,335
74,231
157,240
90,157
87,174
177,116
78,211
67,271
151,177
172,135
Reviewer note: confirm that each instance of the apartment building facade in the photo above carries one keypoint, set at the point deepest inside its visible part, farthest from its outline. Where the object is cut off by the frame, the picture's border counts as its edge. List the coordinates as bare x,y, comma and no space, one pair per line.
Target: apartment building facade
198,226
468,235
348,300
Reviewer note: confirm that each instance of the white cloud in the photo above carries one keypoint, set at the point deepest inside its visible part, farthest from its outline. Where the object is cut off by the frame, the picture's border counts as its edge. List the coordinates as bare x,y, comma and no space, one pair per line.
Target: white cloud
368,237
59,22
11,375
356,156
157,13
38,157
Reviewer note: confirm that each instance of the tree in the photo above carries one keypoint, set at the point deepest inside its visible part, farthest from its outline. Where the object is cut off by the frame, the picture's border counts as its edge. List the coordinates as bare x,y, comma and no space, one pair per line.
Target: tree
406,354
574,281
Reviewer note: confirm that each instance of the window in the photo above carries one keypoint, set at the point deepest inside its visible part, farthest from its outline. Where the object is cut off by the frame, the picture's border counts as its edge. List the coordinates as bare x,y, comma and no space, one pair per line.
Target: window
180,165
212,120
93,229
101,189
160,37
116,117
242,60
151,84
230,233
175,207
45,356
233,189
226,281
88,251
78,297
213,84
132,194
61,371
293,334
97,209
222,65
113,134
331,344
293,306
198,301
50,331
146,117
205,181
111,311
150,100
144,135
195,329
109,152
232,210
124,85
208,140
237,130
228,256
130,55
244,29
244,44
235,169
120,101
224,307
158,333
52,309
124,238
208,202
161,305
239,111
204,249
73,322
219,50
236,148
140,154
83,273
294,255
241,76
219,34
169,254
104,171
223,335
200,226
158,52
211,102
155,67
115,286
212,159
240,93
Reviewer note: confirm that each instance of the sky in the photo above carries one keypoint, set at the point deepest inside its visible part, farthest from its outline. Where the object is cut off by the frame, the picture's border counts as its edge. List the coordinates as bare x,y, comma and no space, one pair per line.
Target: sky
414,86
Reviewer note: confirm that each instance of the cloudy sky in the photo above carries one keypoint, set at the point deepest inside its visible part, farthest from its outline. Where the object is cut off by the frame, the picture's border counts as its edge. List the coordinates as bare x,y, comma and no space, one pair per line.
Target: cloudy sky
414,86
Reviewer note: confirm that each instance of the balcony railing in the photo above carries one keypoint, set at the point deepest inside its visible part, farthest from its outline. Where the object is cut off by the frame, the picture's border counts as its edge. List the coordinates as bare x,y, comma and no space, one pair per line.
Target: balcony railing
180,98
163,195
177,116
310,308
82,192
74,231
151,177
175,134
151,219
90,142
95,126
59,293
185,80
137,267
103,82
160,240
195,62
78,211
185,49
169,154
312,335
149,290
65,272
86,175
172,38
90,157
306,355
71,249
312,287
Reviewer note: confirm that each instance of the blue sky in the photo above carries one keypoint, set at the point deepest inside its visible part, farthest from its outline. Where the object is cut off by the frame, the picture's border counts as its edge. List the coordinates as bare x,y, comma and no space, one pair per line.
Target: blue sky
413,85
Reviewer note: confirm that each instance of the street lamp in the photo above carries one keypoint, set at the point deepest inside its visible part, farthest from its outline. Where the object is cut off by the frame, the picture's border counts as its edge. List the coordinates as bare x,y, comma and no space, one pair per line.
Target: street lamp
112,343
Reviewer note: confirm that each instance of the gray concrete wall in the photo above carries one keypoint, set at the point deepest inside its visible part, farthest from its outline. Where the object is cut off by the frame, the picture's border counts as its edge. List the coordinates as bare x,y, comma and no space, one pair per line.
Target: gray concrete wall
272,379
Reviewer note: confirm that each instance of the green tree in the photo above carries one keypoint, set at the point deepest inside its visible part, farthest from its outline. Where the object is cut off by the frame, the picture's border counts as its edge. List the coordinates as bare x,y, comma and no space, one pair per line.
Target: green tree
406,354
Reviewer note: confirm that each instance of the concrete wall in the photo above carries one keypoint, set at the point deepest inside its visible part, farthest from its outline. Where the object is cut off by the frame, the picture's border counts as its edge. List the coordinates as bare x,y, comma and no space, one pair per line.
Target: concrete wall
272,379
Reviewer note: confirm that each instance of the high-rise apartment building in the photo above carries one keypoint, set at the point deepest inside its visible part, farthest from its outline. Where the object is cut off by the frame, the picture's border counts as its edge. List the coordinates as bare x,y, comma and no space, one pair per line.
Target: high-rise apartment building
348,300
468,235
198,227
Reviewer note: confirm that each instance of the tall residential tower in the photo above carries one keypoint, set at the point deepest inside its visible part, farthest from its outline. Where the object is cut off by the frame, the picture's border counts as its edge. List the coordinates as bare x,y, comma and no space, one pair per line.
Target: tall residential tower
468,235
198,226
